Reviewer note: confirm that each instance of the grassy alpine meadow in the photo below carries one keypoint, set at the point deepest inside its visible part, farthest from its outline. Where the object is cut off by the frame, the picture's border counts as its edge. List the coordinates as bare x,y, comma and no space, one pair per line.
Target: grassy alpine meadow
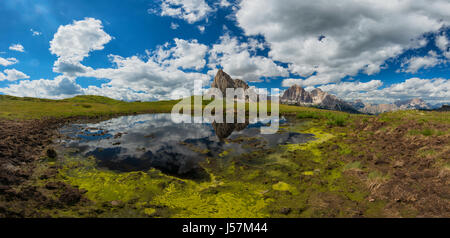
34,108
394,164
95,106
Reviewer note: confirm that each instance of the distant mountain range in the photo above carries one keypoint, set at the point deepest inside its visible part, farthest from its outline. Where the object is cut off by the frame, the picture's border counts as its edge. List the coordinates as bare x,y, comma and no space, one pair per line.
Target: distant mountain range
297,95
415,103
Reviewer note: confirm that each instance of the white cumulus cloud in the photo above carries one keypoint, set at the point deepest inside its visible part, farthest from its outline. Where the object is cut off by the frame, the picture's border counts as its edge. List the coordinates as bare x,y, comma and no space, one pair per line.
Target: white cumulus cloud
443,44
189,10
346,90
326,40
136,78
160,75
414,64
73,42
238,60
434,91
60,87
12,75
185,54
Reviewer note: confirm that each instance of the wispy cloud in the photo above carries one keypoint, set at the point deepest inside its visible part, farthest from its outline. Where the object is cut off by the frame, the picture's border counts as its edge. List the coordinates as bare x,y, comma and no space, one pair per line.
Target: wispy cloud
35,33
17,47
174,26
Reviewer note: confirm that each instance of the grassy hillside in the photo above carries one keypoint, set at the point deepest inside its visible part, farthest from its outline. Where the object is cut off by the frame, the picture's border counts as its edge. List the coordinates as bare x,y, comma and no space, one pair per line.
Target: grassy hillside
86,105
33,108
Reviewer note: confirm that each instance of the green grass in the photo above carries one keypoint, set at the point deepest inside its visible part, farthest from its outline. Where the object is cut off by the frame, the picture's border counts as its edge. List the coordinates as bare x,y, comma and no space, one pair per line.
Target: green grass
354,165
399,117
33,108
309,115
425,132
337,119
88,105
94,106
331,118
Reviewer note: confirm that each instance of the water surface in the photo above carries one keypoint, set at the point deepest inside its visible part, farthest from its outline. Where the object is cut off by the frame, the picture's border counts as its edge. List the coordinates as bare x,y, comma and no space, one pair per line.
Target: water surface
141,142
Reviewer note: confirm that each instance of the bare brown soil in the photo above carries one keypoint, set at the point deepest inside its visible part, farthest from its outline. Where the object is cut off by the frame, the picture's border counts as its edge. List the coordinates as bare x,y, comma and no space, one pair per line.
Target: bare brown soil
22,144
413,178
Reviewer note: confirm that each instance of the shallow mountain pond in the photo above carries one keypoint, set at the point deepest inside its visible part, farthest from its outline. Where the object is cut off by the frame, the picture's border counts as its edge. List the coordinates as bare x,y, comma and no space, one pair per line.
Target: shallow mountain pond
141,142
150,166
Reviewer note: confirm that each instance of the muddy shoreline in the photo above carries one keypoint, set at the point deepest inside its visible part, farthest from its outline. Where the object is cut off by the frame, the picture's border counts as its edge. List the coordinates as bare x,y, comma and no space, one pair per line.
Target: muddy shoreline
23,146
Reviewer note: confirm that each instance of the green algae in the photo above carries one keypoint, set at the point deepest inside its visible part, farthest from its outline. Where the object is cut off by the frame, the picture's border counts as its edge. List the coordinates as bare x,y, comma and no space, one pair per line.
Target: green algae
320,136
295,180
151,190
224,153
308,173
282,186
192,203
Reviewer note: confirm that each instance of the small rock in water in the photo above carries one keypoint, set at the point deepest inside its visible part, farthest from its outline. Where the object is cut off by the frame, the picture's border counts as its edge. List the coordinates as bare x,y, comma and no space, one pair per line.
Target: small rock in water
51,153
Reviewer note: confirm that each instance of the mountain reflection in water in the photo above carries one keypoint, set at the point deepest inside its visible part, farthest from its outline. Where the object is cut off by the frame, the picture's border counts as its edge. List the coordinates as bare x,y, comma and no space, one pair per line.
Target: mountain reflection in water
141,142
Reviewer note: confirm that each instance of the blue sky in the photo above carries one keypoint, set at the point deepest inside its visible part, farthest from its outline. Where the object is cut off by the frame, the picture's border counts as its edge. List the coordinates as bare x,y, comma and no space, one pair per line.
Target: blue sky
153,50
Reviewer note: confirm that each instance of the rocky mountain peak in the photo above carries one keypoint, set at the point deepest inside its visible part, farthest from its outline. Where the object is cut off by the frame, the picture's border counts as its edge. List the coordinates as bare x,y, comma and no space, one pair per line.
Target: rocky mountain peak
238,83
317,90
222,81
318,96
298,96
415,103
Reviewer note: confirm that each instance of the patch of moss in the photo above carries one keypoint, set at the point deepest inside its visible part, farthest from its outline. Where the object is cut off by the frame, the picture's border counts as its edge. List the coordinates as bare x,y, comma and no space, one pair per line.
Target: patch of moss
353,166
282,186
320,137
375,209
308,173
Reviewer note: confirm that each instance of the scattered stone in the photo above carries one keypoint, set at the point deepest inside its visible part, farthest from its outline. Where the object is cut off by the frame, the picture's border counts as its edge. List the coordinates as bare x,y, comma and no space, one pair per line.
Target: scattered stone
52,185
285,210
70,196
399,164
51,153
117,203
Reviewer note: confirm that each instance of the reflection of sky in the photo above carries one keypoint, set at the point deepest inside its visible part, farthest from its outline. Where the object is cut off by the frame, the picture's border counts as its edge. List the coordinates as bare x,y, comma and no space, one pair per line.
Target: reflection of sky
153,140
